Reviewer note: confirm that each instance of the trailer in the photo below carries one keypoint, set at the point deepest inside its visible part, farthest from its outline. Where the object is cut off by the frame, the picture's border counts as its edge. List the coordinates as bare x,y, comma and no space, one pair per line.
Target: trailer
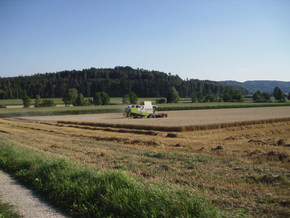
144,110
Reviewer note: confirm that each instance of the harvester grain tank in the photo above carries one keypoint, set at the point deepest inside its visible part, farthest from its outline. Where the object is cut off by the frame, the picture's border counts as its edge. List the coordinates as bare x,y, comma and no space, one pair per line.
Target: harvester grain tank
144,110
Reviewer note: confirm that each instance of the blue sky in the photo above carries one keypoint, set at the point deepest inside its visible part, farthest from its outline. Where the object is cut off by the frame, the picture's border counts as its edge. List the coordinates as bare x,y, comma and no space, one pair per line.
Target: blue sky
210,39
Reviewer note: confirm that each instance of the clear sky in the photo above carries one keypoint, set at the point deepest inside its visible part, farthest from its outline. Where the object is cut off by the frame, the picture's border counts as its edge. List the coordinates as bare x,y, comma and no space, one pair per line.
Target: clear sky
200,39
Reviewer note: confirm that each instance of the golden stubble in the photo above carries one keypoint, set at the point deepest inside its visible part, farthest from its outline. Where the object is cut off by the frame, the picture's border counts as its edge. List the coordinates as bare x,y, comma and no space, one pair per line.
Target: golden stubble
245,167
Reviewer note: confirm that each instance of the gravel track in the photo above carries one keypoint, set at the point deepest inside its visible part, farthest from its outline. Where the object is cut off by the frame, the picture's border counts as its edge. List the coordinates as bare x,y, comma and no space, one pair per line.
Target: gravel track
24,200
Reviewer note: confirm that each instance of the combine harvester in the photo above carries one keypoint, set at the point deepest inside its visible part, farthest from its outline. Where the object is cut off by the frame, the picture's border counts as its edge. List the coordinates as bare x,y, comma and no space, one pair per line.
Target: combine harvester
144,110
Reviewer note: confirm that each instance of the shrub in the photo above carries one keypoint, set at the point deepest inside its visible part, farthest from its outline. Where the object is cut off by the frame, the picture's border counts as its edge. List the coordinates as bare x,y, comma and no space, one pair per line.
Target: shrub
70,96
126,99
173,96
105,98
161,101
133,98
193,99
80,101
278,94
26,101
47,103
101,98
2,106
98,99
37,101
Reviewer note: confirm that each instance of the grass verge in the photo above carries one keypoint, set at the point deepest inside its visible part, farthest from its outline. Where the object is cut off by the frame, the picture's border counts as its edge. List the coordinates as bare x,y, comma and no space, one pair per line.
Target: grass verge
6,210
86,192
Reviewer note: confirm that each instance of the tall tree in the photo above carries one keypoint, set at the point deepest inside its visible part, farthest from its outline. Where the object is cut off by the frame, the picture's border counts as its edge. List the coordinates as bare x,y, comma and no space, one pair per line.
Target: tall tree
37,101
98,99
70,96
277,93
133,98
26,101
173,96
105,98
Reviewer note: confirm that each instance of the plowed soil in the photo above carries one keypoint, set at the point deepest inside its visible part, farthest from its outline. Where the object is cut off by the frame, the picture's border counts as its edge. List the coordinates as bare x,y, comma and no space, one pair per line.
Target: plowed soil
242,168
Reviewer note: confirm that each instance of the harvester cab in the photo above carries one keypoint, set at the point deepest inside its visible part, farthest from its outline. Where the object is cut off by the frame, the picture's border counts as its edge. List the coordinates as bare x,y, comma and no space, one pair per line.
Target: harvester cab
144,110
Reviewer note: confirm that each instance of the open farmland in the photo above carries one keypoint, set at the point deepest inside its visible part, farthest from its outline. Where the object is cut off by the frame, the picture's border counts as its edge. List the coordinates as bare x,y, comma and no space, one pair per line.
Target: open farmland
178,120
243,167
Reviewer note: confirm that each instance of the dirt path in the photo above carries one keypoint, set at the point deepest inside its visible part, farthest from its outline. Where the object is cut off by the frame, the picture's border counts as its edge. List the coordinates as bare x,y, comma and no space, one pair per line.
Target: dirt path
25,201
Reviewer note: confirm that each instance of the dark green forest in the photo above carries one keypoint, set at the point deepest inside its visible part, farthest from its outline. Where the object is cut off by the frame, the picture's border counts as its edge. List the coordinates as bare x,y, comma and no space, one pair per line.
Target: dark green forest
116,82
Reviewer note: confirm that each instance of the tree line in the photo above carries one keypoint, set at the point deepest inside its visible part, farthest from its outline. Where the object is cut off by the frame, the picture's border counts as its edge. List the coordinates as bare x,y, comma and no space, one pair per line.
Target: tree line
266,97
116,82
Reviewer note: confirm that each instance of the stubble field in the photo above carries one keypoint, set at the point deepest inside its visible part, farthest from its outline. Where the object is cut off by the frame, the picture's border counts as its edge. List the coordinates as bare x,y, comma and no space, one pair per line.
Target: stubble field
241,166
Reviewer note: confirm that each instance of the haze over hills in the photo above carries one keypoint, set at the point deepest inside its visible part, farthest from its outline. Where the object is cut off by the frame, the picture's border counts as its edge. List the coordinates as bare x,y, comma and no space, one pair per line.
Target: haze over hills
262,85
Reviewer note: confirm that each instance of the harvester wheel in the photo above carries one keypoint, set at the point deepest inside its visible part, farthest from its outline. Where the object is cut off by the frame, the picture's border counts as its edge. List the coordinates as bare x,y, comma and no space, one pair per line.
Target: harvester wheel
151,116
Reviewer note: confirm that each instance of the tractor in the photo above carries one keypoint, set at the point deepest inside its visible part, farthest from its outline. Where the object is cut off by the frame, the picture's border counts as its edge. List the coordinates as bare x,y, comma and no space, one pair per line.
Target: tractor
144,110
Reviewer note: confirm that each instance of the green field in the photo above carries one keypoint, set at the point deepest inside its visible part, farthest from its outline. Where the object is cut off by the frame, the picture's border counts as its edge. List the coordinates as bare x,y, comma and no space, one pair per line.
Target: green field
15,109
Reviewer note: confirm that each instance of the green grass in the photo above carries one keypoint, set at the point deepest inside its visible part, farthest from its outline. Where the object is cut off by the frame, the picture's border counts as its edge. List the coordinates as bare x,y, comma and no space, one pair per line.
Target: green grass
7,210
117,107
86,192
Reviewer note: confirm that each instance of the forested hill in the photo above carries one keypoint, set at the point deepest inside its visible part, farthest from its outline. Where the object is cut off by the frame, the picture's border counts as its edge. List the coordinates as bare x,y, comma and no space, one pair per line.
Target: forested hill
262,85
116,82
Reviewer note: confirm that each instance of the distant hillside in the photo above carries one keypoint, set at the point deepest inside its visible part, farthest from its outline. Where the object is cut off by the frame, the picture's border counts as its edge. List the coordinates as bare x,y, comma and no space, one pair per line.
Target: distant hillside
262,85
116,82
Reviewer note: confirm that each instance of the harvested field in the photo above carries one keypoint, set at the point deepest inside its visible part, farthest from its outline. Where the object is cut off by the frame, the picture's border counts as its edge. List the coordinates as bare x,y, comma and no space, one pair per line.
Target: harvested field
180,120
240,168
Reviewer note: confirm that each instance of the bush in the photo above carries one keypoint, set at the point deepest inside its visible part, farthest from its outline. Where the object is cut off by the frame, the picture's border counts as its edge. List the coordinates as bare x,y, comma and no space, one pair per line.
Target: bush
2,106
98,99
105,98
37,101
193,99
47,103
126,99
261,97
133,98
101,98
70,96
44,103
161,101
26,101
173,96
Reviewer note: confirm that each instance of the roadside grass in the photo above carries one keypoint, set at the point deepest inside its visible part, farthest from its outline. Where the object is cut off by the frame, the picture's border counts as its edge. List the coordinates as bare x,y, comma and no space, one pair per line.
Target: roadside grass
86,192
7,210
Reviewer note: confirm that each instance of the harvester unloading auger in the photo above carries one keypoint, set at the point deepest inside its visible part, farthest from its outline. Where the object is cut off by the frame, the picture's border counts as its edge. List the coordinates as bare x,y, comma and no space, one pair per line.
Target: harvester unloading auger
144,110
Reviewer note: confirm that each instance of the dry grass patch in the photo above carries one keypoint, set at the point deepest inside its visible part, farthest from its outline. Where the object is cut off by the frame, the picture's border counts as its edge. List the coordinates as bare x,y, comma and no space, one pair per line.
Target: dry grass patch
238,168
